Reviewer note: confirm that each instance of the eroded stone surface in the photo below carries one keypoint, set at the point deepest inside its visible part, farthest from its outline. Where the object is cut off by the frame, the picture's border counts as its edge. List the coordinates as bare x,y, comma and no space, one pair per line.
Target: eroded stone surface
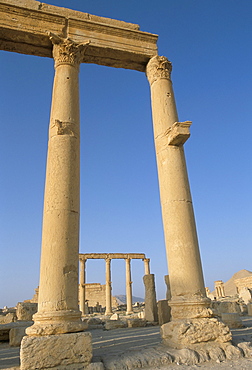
180,333
232,320
56,351
25,310
151,312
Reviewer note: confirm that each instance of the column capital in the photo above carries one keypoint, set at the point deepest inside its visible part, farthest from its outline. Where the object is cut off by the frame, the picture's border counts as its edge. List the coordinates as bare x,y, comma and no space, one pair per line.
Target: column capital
158,67
65,51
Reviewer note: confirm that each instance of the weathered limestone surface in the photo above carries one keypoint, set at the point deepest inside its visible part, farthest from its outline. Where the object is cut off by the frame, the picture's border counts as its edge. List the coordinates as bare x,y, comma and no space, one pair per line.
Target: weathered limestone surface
82,290
168,287
164,312
58,310
151,312
108,287
6,328
56,351
25,25
16,335
104,256
249,305
180,333
114,324
128,286
136,323
245,294
220,307
9,317
189,304
232,320
95,292
25,310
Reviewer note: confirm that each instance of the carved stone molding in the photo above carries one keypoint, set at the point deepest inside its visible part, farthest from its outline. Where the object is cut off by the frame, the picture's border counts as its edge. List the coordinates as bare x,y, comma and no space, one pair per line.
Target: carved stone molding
158,67
66,51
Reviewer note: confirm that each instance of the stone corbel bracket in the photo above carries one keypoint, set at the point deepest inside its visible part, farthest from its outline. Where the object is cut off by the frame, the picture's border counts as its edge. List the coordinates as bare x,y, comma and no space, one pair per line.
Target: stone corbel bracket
178,133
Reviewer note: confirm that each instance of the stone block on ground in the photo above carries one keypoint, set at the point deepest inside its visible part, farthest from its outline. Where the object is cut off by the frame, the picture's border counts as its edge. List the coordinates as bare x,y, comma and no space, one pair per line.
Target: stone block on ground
25,310
164,312
249,306
94,323
5,328
225,307
232,320
16,335
63,351
9,317
115,316
141,315
136,323
114,324
184,332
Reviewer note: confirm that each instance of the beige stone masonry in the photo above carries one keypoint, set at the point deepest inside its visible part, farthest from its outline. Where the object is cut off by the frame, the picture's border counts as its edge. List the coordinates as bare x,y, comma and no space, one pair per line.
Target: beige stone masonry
189,304
58,310
146,266
24,27
83,257
56,351
82,296
187,283
129,309
71,38
108,288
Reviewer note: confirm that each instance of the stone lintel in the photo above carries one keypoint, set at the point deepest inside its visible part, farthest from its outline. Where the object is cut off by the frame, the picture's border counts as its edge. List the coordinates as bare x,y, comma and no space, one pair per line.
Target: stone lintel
24,28
85,256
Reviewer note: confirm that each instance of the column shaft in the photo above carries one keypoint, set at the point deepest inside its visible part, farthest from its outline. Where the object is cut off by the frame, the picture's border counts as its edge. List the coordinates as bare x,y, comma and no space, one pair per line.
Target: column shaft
108,287
82,294
58,310
146,266
128,287
184,264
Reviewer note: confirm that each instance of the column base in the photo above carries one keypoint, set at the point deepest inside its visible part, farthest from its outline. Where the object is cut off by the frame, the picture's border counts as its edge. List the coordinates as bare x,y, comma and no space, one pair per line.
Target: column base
129,312
189,332
67,351
56,322
190,307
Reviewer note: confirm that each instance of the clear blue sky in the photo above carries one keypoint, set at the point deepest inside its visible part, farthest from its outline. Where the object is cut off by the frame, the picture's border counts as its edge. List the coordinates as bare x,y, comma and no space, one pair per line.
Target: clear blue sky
209,44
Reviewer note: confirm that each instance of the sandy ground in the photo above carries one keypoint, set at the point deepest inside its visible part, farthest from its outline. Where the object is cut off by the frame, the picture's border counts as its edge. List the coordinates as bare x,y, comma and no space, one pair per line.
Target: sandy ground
119,341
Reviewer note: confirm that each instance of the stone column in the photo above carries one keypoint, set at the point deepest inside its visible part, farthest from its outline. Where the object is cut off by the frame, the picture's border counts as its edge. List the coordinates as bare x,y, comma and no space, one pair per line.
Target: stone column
168,287
185,271
58,310
82,286
150,301
219,289
146,266
108,288
128,287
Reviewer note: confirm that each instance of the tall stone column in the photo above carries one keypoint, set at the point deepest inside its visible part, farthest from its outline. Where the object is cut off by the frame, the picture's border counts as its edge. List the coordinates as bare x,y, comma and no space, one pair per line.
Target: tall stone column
58,310
188,297
128,287
82,285
108,287
146,266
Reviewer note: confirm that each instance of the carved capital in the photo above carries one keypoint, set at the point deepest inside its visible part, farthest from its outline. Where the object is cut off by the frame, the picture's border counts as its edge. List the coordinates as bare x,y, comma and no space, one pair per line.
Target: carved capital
158,67
66,51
